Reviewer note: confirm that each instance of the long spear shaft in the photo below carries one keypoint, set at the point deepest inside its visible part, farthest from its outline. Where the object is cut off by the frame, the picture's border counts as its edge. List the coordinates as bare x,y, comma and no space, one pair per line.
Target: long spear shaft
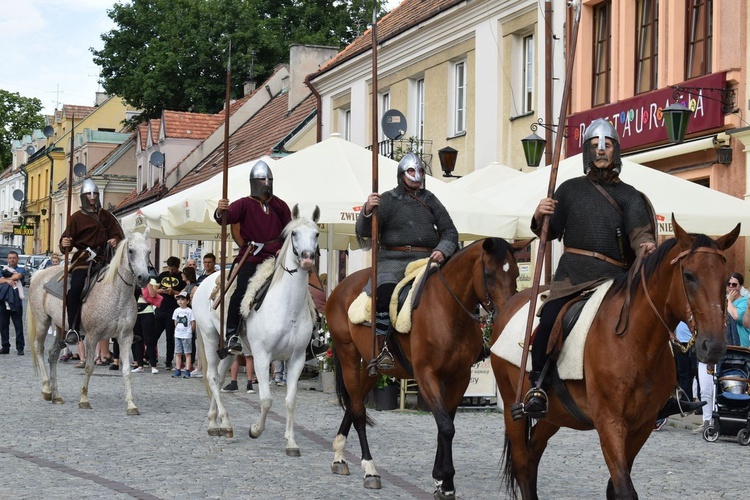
225,193
67,223
550,192
374,278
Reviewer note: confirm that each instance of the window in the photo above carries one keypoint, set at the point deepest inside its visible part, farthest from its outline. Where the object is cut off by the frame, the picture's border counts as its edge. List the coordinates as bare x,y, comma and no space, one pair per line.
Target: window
602,37
385,105
699,37
419,104
347,133
647,32
528,74
459,98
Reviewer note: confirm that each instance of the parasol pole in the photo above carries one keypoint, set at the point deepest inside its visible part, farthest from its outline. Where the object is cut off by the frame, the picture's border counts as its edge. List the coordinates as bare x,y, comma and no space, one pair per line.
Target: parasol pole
576,6
67,225
373,372
225,194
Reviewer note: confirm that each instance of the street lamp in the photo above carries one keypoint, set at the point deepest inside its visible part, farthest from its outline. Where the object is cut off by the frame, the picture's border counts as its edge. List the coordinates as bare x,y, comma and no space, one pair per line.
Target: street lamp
676,118
448,157
533,148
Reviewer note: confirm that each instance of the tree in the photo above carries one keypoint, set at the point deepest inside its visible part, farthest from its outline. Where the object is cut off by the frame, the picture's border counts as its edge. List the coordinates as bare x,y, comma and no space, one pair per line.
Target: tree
18,116
172,54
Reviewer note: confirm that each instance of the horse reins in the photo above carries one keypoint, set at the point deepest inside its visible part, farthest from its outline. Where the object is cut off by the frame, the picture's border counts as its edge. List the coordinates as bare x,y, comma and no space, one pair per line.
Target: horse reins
487,305
689,310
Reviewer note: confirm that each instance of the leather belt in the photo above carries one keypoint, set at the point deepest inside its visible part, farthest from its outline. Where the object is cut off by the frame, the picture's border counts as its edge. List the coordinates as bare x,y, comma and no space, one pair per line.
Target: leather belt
409,248
597,255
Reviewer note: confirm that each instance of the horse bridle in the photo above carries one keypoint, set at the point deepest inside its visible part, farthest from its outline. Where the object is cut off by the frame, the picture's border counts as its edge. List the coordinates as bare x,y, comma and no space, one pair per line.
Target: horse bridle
294,251
487,304
689,310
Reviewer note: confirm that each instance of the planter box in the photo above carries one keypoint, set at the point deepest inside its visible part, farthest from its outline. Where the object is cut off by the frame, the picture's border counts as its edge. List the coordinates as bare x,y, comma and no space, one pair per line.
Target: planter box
329,382
383,399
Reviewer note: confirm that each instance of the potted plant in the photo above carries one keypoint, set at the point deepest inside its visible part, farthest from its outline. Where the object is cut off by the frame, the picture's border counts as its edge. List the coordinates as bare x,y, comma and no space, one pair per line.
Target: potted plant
325,360
385,394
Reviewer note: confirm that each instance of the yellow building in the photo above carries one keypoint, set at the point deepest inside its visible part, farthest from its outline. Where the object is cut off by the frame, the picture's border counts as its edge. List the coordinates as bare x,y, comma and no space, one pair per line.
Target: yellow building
96,134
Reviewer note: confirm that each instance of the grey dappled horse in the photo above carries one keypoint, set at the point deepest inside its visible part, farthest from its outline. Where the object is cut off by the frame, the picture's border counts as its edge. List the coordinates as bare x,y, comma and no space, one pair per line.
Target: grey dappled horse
109,312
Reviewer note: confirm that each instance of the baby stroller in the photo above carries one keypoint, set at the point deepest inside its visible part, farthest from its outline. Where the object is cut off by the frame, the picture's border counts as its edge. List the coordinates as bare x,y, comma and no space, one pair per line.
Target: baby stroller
731,402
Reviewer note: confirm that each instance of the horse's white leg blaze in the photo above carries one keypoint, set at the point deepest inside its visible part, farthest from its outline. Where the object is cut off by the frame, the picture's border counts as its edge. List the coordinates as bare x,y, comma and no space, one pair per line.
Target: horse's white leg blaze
372,478
339,449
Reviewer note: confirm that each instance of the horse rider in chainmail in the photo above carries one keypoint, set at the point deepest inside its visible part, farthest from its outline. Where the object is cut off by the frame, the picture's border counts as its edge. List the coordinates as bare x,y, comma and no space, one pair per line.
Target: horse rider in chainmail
90,230
603,222
412,225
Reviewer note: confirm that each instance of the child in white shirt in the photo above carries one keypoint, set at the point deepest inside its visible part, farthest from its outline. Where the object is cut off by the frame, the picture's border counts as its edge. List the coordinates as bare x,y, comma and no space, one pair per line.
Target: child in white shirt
184,324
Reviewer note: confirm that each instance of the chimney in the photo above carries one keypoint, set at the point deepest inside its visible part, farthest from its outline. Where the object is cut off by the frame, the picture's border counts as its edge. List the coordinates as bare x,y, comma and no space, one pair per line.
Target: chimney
303,60
249,86
100,98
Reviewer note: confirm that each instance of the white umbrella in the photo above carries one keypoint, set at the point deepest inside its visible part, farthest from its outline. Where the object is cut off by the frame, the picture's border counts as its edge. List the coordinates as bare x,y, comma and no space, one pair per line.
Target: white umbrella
485,177
697,208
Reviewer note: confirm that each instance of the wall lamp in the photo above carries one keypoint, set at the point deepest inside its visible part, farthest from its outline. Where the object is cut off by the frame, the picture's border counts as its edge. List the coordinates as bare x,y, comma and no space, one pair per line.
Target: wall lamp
677,115
724,151
448,157
533,145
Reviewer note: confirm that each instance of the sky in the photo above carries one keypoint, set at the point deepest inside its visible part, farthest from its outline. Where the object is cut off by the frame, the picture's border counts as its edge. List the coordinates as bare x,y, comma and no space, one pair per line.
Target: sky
45,49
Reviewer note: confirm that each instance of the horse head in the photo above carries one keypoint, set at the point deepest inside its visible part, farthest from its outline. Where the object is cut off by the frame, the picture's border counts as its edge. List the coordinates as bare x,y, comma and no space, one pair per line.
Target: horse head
303,234
495,278
138,255
699,286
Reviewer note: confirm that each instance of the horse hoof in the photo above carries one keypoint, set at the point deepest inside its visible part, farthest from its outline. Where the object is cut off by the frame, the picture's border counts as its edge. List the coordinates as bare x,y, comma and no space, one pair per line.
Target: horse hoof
133,411
57,400
442,495
84,406
340,468
227,433
372,482
47,396
253,434
292,452
214,432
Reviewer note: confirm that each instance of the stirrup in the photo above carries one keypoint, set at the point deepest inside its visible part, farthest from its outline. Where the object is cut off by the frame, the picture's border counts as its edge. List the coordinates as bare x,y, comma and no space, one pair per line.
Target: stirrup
535,403
234,346
72,337
383,361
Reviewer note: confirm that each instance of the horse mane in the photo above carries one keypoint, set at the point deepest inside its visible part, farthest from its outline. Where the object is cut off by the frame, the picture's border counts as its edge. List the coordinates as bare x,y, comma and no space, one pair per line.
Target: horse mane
499,249
652,262
115,263
286,246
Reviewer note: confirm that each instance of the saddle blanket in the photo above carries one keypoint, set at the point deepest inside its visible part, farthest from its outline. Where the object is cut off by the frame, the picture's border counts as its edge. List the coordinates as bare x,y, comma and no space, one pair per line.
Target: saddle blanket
54,285
360,309
570,362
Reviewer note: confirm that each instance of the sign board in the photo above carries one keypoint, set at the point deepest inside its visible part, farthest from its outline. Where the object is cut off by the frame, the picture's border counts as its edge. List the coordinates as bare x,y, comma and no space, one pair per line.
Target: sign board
19,230
639,120
482,381
187,242
7,227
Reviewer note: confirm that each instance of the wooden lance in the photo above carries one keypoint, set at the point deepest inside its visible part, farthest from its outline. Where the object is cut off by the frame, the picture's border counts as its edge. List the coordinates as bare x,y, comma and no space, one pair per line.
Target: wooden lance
67,224
225,194
373,372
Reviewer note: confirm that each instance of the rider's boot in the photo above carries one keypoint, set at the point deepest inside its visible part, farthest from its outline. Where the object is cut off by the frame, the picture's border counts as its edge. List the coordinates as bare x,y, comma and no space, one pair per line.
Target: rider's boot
535,401
384,360
73,337
674,407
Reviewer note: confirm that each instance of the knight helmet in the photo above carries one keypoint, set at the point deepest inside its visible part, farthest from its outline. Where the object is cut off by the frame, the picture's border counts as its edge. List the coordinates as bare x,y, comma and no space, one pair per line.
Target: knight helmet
601,129
412,168
87,187
261,180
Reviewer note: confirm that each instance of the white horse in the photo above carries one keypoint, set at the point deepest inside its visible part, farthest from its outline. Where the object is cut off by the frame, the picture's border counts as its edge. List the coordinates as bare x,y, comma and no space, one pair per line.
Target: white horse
279,330
109,312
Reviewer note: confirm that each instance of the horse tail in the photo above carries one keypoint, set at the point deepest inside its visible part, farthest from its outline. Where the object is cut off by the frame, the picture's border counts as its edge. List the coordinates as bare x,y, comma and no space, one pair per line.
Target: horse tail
509,478
31,335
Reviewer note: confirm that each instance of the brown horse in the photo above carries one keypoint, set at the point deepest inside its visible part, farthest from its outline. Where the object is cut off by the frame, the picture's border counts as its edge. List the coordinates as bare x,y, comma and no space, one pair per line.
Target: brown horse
627,378
444,342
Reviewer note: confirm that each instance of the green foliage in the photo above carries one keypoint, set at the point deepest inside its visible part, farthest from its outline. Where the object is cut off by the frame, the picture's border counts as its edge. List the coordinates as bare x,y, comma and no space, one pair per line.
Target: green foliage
18,116
385,381
172,54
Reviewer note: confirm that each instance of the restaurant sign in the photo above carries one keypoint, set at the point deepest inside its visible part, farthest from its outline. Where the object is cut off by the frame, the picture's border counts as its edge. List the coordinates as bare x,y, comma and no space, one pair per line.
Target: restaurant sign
19,230
639,120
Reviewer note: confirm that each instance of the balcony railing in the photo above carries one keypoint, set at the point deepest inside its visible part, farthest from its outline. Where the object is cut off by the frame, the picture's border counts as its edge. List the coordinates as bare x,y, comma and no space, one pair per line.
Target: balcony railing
397,149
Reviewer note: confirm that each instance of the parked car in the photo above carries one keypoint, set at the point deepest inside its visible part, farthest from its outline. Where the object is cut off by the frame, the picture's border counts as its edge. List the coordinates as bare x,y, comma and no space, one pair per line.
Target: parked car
32,264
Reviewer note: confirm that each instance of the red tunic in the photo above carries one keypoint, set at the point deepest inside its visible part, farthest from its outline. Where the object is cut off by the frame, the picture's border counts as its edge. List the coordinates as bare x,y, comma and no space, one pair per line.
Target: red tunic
259,225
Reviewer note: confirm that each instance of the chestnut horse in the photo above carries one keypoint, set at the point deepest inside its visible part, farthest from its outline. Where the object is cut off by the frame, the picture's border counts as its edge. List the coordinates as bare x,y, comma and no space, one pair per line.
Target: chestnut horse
444,342
627,378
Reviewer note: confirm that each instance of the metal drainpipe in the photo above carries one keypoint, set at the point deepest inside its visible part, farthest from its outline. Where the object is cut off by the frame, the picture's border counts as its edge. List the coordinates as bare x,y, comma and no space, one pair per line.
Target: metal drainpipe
319,106
22,208
49,208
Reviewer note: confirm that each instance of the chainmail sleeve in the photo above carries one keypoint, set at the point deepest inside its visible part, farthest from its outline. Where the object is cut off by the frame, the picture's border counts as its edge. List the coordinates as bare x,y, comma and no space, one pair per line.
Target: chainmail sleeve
446,228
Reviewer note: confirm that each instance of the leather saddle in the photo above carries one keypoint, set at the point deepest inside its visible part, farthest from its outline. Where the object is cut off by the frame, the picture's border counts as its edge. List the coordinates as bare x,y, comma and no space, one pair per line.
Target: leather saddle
55,284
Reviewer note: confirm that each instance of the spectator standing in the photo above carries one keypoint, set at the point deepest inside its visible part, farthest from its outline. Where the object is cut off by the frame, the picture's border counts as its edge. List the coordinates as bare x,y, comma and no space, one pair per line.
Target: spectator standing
11,305
683,360
209,266
246,360
169,285
184,324
737,307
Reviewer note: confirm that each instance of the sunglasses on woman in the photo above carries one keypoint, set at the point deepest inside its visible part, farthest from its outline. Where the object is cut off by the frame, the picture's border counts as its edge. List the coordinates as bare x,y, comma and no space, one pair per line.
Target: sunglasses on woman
732,285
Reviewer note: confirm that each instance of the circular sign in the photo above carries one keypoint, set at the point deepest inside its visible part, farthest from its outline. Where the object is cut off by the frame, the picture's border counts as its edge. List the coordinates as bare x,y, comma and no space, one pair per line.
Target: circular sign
18,195
157,159
393,124
79,170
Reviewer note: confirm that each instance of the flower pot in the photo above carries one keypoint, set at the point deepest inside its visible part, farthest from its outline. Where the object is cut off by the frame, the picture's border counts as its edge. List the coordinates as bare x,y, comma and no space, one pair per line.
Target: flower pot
385,398
329,382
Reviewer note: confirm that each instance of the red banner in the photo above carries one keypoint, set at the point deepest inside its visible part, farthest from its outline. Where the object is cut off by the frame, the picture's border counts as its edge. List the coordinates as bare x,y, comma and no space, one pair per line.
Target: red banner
639,120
